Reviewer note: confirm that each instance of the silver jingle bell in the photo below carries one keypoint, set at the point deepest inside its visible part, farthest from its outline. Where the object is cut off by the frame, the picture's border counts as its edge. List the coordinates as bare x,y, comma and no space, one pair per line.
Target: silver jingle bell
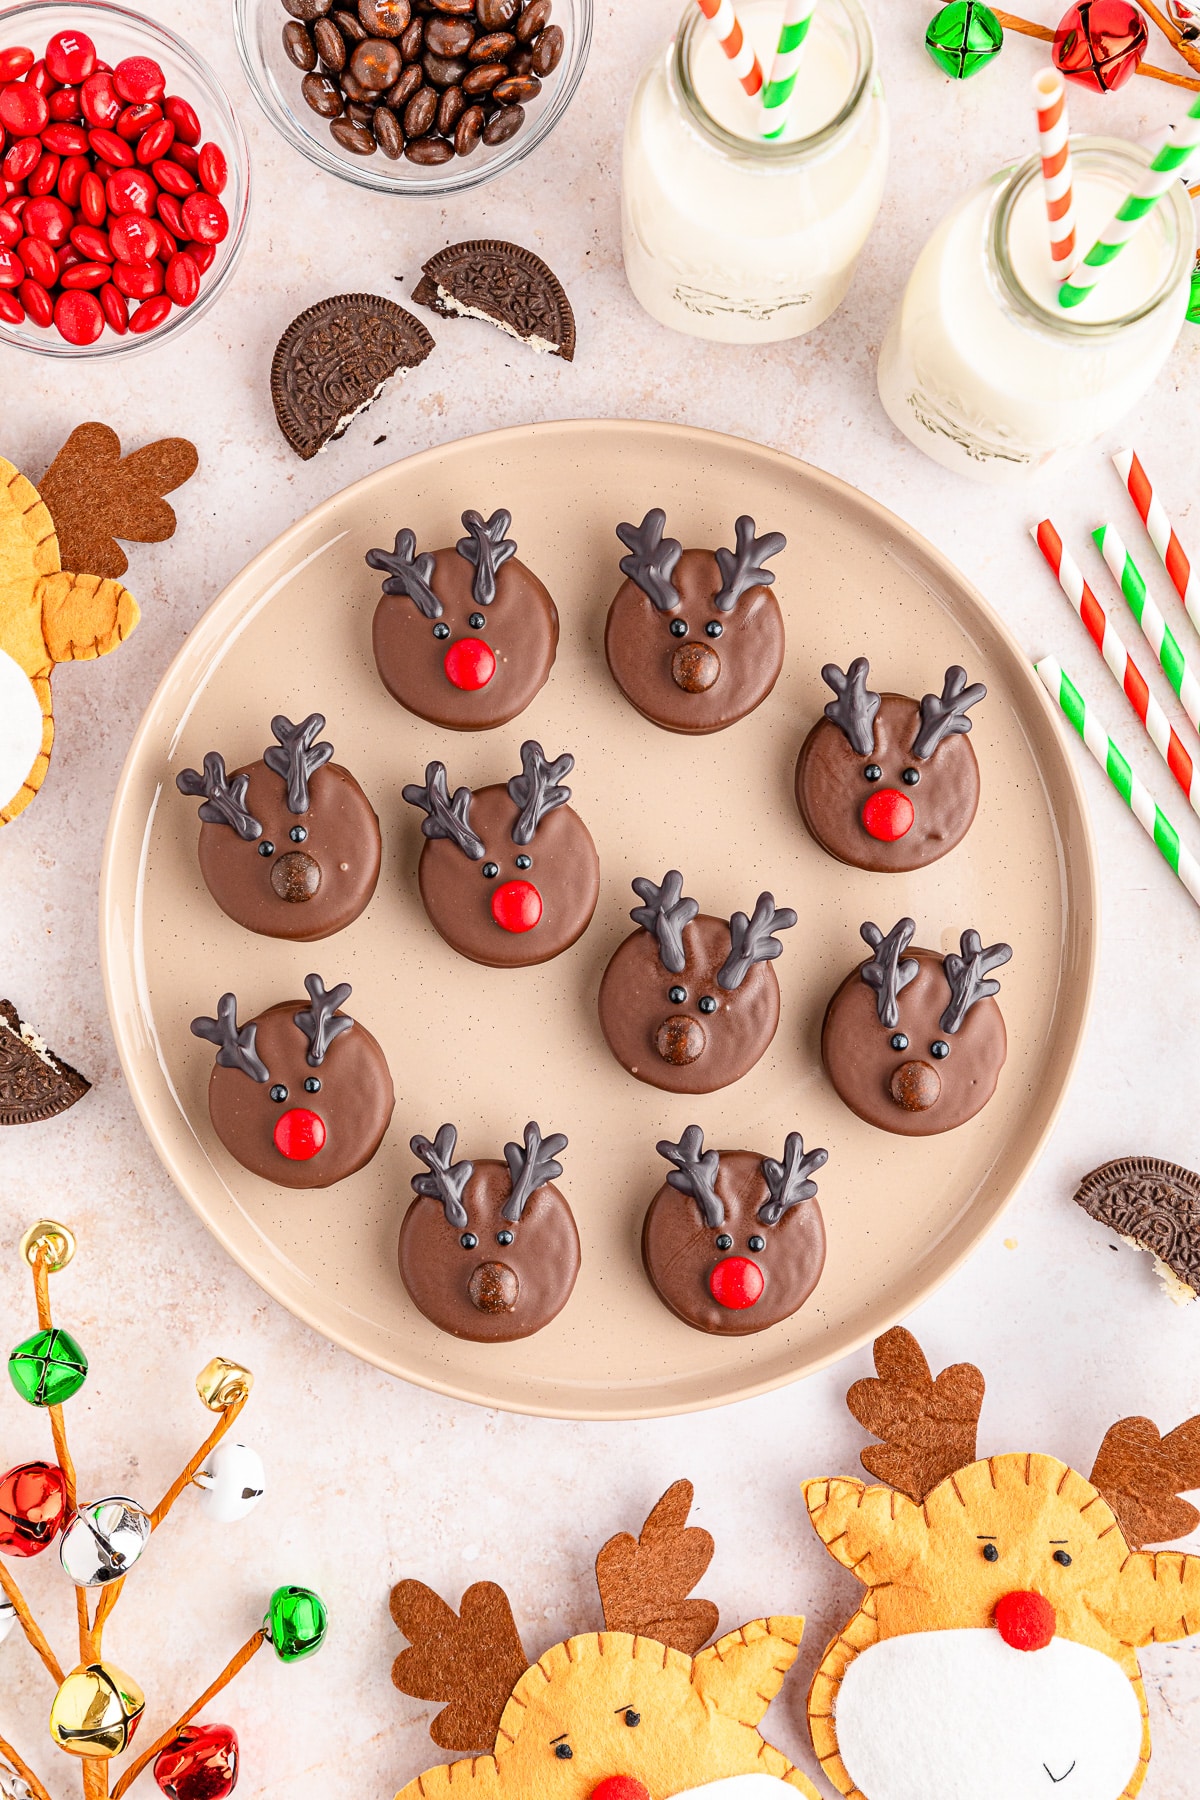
12,1785
1185,15
8,1618
231,1482
103,1540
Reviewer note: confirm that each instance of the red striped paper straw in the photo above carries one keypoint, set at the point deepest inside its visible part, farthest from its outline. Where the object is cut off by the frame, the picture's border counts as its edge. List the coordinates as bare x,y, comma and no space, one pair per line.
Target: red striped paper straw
734,43
1050,99
1112,648
1161,532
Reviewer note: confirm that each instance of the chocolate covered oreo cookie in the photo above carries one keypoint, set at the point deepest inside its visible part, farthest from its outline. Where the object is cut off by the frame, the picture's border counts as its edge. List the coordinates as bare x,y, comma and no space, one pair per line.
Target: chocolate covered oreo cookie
335,359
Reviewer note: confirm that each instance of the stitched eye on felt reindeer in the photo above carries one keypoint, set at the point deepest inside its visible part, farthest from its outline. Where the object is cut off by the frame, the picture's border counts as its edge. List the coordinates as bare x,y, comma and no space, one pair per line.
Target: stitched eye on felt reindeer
564,1751
631,1717
990,1553
724,1241
266,848
707,1004
312,1085
939,1048
679,628
1062,1558
911,777
279,1093
298,833
873,772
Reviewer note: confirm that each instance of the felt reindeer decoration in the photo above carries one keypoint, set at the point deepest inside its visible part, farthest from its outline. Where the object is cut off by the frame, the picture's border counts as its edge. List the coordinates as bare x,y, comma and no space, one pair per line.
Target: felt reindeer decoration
994,1654
637,1711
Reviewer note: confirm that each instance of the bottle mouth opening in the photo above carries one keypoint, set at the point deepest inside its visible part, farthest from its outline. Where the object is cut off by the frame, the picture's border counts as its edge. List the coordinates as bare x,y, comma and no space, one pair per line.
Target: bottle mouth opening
767,152
1115,157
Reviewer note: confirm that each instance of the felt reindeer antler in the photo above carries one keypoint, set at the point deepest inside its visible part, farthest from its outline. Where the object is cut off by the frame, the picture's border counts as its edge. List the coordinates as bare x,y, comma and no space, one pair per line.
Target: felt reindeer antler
928,1426
854,709
96,496
471,1659
944,715
408,573
1142,1475
645,1582
652,559
237,1048
751,940
224,800
741,569
446,817
487,548
530,1167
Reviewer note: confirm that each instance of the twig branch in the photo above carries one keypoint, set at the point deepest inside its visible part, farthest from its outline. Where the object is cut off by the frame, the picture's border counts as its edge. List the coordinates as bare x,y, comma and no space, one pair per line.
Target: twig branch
210,1443
227,1674
30,1626
1013,22
23,1770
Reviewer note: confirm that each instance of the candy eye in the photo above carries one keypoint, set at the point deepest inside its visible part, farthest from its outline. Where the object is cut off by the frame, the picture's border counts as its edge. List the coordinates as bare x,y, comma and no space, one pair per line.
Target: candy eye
266,848
677,995
313,1085
873,772
990,1553
633,1718
911,777
564,1751
724,1242
468,1240
524,862
504,1237
441,629
1062,1558
298,833
939,1048
899,1041
477,621
490,871
756,1242
679,628
714,628
707,1004
279,1093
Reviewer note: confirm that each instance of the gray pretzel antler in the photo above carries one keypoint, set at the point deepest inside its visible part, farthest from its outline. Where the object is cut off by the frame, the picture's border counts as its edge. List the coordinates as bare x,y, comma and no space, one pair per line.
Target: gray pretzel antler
666,912
853,712
695,1173
321,1022
446,1180
885,972
537,790
741,569
751,940
447,818
488,549
965,976
944,715
652,559
530,1167
788,1181
408,573
235,1049
224,800
295,756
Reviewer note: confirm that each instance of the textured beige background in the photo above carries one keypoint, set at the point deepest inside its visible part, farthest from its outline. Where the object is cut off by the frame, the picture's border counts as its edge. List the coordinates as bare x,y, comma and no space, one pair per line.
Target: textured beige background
370,1478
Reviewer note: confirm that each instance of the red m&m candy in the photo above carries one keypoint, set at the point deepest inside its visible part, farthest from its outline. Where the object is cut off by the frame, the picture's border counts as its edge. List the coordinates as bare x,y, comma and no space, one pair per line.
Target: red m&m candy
139,78
70,57
78,317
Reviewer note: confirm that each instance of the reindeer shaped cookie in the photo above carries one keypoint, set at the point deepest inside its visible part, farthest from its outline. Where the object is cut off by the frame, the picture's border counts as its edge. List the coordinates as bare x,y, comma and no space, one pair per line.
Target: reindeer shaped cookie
509,874
489,1250
915,1043
465,637
994,1655
289,846
734,1242
316,1057
694,637
637,1711
690,1002
885,782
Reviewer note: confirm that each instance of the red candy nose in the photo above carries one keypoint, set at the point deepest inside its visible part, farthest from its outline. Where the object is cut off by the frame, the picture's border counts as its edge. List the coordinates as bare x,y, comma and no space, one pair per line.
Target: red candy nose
736,1283
1025,1621
299,1134
469,664
620,1787
888,814
517,906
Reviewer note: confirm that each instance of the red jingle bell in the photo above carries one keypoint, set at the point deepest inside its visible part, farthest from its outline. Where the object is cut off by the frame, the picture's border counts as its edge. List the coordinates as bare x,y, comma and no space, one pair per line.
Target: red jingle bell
1100,43
200,1763
33,1508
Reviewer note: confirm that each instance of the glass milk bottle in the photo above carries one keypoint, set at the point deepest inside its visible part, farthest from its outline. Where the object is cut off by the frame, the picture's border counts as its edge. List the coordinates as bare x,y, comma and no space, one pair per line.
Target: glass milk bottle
729,237
984,370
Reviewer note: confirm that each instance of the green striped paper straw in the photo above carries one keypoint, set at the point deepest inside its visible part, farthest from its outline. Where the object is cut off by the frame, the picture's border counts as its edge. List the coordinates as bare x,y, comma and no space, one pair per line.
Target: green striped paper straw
1157,633
1140,801
797,17
1169,165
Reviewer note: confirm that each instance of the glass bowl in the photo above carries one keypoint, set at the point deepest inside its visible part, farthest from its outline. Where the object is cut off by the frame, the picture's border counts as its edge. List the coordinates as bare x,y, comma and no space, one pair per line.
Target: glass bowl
275,81
118,33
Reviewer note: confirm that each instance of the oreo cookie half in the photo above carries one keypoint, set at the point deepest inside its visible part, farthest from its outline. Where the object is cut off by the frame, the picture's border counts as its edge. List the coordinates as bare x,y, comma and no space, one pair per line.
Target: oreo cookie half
1154,1206
505,284
335,359
34,1083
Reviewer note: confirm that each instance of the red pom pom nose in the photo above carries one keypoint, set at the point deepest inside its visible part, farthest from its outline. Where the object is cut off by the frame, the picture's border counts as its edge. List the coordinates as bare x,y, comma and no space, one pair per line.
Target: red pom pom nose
1025,1621
888,814
299,1134
516,906
736,1283
620,1787
469,664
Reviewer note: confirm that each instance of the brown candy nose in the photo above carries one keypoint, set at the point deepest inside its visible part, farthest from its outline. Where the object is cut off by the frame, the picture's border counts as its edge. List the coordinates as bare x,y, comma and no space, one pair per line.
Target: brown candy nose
694,668
915,1086
295,877
493,1288
680,1040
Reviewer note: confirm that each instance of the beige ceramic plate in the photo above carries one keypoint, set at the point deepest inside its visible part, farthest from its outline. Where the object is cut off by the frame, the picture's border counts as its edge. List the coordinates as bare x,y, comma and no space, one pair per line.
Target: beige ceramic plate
490,1050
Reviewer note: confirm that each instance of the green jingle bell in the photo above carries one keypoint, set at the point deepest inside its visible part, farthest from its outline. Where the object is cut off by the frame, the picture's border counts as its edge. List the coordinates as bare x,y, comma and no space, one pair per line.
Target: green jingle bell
963,37
48,1367
296,1623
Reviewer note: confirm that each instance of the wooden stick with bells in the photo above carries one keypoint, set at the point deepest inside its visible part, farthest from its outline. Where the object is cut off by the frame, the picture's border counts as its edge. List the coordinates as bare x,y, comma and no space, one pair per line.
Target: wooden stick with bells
97,1707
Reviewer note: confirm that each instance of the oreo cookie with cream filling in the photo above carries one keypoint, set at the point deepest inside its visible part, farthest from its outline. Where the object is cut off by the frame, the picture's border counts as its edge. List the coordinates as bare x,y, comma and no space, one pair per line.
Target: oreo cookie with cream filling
35,1084
505,284
335,359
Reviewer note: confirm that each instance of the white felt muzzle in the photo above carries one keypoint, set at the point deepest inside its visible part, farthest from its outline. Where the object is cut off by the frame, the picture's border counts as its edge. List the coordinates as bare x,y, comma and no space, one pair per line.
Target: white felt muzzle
740,1787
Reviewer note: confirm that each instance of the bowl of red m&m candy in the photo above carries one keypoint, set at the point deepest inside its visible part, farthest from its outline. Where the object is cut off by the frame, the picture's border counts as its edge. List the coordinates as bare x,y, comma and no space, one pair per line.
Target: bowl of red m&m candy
124,181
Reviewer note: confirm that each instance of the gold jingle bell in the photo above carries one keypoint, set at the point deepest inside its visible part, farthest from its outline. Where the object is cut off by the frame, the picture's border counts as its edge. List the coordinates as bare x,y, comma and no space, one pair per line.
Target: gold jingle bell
56,1240
221,1383
96,1710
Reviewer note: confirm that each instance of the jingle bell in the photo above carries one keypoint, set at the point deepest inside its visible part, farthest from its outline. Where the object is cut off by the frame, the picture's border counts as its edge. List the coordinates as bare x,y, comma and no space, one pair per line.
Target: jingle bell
96,1711
964,36
103,1540
8,1617
221,1382
12,1785
1193,311
1099,43
296,1623
200,1763
1185,16
48,1367
232,1481
33,1505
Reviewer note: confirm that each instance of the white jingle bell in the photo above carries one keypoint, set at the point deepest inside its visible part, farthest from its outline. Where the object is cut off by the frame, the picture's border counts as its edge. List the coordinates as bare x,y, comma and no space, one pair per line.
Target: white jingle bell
232,1482
103,1540
8,1618
12,1785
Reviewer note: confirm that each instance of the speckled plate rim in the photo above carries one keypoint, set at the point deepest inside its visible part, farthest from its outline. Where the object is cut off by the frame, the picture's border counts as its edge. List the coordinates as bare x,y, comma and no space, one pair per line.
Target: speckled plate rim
127,838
